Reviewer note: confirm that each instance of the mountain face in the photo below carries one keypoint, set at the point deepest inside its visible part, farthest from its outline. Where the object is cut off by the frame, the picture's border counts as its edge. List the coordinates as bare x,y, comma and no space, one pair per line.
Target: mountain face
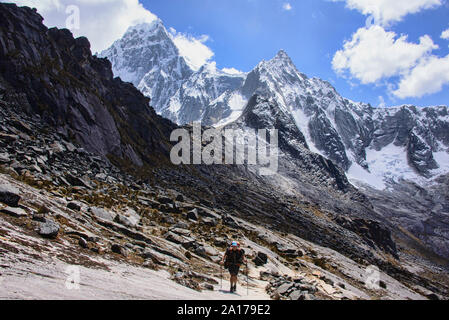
365,142
147,57
191,102
57,79
362,140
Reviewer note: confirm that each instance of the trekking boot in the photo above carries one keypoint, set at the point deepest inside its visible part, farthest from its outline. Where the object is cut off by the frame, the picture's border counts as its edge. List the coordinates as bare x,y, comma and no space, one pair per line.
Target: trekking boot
232,288
235,287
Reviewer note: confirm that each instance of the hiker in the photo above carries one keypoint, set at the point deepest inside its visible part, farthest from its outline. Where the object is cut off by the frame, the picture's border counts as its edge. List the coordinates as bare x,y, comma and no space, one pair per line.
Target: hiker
232,260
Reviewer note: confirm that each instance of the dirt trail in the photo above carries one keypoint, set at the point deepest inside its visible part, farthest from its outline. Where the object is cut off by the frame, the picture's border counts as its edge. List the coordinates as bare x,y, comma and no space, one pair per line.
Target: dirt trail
44,280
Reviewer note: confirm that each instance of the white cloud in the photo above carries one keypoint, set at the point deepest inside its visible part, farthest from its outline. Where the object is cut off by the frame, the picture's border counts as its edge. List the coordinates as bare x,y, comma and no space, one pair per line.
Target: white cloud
445,35
101,21
382,103
427,77
373,54
193,49
287,6
388,11
231,71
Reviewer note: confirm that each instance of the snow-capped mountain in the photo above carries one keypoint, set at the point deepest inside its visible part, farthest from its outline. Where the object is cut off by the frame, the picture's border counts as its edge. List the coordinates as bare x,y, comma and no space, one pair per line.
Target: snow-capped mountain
147,56
373,145
193,99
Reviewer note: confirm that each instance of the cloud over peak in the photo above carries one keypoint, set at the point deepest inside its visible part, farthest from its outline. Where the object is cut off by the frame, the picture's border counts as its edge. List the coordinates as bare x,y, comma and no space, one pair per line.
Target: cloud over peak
287,6
385,12
101,21
193,49
373,54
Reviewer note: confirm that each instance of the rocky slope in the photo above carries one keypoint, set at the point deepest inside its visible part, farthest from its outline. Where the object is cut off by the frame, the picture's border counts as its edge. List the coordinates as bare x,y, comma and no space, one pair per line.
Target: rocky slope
80,189
54,77
55,214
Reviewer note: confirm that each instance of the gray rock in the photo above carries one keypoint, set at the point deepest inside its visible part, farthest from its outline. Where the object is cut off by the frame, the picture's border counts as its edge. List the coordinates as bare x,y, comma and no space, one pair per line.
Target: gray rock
129,219
192,215
211,222
9,195
118,249
229,221
207,286
260,259
103,214
39,217
181,231
82,242
4,158
49,229
154,256
186,242
74,206
296,295
284,288
165,200
15,212
79,182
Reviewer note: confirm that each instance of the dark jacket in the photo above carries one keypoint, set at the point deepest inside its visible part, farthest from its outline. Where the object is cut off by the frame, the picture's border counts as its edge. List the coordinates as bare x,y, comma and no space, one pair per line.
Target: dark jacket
234,257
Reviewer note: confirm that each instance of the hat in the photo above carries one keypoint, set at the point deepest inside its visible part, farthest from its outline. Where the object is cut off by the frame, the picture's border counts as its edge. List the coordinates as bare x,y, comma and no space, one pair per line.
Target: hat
234,244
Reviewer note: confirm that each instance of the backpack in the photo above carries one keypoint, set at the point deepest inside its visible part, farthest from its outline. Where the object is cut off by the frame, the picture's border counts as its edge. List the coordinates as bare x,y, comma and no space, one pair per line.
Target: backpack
234,257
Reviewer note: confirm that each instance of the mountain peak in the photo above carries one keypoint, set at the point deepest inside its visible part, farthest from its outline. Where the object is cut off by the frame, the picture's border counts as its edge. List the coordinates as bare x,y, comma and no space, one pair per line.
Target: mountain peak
282,55
146,27
280,61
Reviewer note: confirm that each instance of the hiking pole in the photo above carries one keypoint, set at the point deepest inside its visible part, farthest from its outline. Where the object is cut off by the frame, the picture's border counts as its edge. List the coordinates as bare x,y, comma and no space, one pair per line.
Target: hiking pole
247,284
221,276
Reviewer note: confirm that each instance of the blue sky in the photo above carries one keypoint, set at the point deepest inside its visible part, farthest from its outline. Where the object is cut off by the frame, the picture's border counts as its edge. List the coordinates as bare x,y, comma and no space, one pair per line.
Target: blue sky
401,56
243,32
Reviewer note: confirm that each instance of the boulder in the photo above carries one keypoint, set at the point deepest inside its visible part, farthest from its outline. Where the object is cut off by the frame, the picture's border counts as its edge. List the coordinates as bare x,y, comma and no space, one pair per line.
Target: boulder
103,214
130,218
40,217
210,251
296,295
74,206
261,259
186,242
230,222
181,231
165,200
192,215
284,288
207,286
78,182
211,222
154,257
221,242
4,158
288,251
9,195
15,212
49,229
207,213
8,138
83,243
118,249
